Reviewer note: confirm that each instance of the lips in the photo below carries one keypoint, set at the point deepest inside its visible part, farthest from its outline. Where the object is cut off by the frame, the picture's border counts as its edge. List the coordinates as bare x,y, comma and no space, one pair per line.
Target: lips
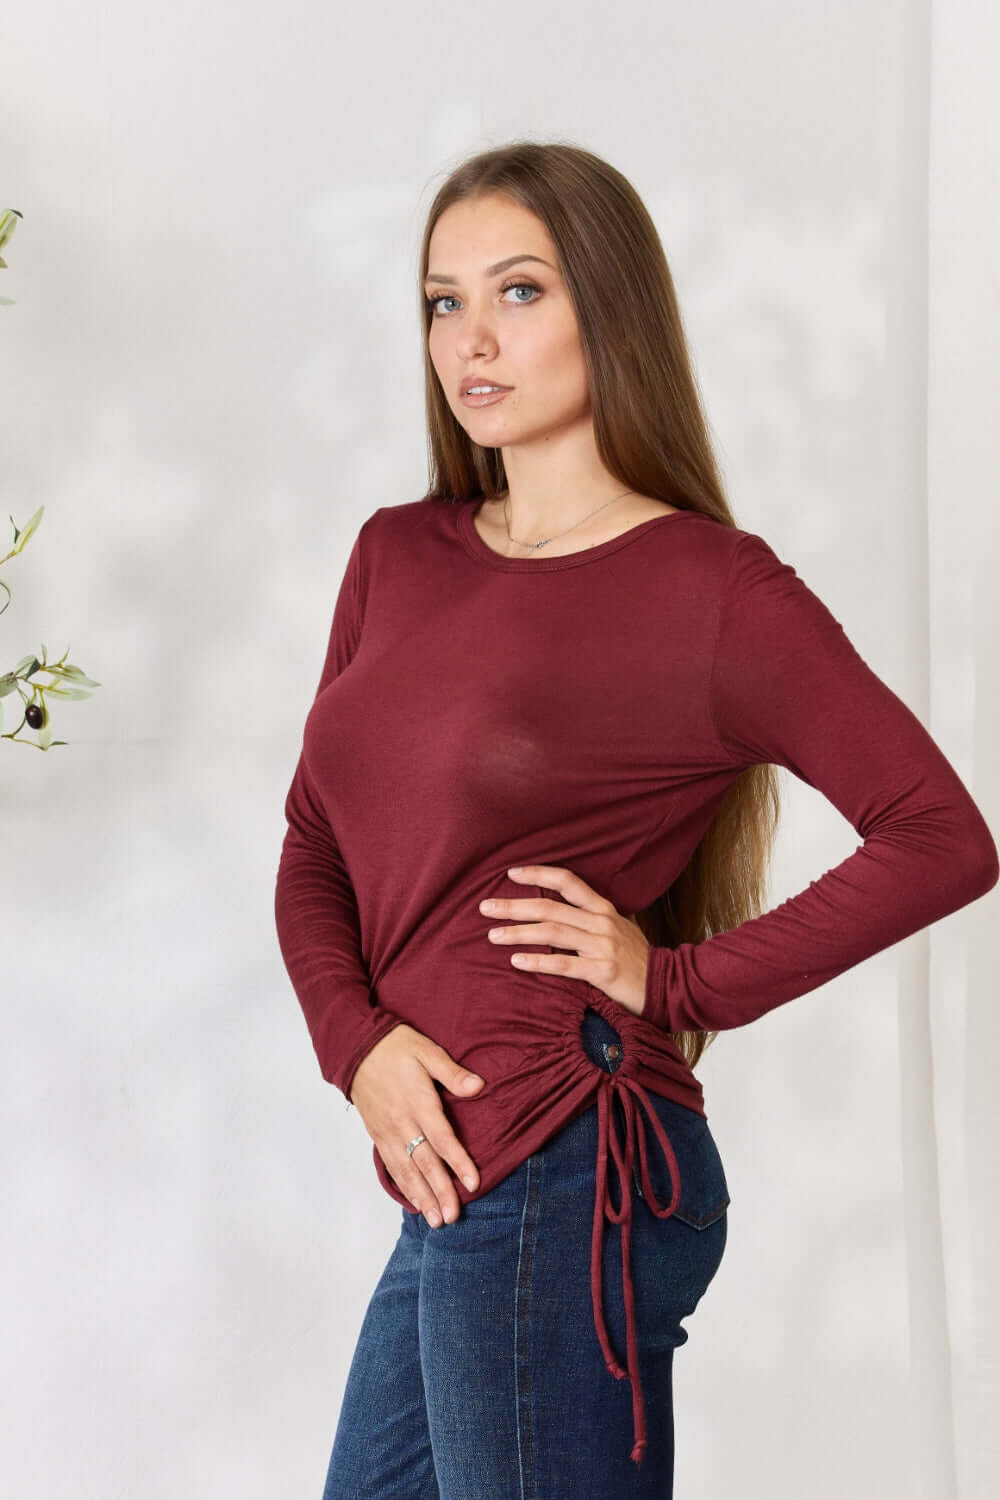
485,398
471,380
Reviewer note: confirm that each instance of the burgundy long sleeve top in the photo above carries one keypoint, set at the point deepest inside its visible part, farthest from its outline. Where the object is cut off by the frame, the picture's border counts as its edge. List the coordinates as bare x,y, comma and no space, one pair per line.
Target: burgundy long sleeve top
476,712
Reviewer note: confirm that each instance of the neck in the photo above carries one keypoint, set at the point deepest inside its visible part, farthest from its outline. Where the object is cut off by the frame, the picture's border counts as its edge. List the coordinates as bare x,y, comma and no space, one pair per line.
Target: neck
532,522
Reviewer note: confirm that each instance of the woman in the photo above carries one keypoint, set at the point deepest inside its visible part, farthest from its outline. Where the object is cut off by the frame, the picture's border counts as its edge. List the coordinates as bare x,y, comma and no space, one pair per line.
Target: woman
521,886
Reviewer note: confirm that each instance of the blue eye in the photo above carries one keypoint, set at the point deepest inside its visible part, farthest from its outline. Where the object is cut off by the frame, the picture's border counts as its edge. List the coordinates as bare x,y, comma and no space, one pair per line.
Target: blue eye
507,286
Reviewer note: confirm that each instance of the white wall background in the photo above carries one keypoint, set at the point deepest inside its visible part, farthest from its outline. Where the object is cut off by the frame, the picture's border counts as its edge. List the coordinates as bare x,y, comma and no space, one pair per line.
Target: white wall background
211,377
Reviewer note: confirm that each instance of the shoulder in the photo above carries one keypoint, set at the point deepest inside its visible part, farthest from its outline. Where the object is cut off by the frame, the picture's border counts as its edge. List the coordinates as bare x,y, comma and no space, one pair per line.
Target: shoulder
758,573
717,555
736,561
392,525
767,608
748,584
732,547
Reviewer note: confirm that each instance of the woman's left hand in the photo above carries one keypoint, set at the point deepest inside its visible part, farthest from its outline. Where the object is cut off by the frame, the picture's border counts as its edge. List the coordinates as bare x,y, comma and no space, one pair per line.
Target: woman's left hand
611,949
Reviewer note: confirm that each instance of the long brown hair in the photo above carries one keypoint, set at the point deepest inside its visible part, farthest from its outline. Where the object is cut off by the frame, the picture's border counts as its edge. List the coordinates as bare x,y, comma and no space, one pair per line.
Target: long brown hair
650,433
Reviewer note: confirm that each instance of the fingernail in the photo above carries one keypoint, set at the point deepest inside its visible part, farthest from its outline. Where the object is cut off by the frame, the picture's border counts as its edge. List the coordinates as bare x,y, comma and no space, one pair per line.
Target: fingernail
470,1183
472,1080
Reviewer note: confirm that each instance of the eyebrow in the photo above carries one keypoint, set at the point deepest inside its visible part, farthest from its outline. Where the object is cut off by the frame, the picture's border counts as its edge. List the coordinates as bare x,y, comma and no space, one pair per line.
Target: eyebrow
501,265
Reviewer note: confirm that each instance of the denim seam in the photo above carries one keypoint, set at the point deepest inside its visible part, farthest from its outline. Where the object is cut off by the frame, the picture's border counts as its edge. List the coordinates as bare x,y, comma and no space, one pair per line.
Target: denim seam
702,1221
522,1315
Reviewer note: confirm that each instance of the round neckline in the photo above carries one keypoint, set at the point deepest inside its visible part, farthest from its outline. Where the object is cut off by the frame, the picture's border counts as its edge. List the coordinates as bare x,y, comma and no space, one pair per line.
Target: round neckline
480,550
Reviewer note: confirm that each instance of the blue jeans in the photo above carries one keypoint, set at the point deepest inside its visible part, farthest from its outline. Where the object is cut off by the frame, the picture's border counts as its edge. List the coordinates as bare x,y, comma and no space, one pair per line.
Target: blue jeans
478,1374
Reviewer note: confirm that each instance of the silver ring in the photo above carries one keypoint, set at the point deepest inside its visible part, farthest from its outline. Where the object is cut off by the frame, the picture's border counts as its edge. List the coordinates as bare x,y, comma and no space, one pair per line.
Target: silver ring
414,1144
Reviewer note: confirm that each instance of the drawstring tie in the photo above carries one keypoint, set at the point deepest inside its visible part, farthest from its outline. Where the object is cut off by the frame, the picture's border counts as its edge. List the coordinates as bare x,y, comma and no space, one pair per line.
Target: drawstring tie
629,1090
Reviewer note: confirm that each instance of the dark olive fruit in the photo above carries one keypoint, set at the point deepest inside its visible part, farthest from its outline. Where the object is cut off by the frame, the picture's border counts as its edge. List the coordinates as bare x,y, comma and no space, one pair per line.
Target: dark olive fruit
34,715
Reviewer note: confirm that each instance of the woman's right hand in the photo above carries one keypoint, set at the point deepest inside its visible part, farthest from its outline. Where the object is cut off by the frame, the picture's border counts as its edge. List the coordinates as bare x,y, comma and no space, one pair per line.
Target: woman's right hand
394,1094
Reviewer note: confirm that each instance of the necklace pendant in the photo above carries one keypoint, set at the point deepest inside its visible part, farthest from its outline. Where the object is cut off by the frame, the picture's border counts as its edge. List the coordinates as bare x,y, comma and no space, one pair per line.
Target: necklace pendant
534,546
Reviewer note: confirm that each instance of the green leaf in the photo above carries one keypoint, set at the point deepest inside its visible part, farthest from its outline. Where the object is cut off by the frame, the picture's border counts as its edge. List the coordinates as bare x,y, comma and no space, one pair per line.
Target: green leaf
8,682
8,223
31,527
31,662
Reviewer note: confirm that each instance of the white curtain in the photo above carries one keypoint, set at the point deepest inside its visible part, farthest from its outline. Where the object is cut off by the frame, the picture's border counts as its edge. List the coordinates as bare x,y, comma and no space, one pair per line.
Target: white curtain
946,314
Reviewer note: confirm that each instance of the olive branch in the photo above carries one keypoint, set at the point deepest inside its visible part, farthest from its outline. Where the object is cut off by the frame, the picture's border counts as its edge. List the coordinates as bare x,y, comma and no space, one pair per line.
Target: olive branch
68,680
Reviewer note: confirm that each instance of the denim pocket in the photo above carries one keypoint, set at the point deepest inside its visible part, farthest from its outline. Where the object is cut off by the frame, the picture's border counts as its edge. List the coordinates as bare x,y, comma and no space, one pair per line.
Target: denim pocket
704,1195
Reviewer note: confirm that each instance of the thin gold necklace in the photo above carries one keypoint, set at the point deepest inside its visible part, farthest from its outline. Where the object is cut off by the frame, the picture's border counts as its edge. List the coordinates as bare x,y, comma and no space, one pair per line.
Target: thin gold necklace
545,541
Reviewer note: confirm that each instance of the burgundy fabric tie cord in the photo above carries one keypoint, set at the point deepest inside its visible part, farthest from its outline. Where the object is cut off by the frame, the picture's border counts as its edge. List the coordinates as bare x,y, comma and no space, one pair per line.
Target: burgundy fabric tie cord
604,1208
591,712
